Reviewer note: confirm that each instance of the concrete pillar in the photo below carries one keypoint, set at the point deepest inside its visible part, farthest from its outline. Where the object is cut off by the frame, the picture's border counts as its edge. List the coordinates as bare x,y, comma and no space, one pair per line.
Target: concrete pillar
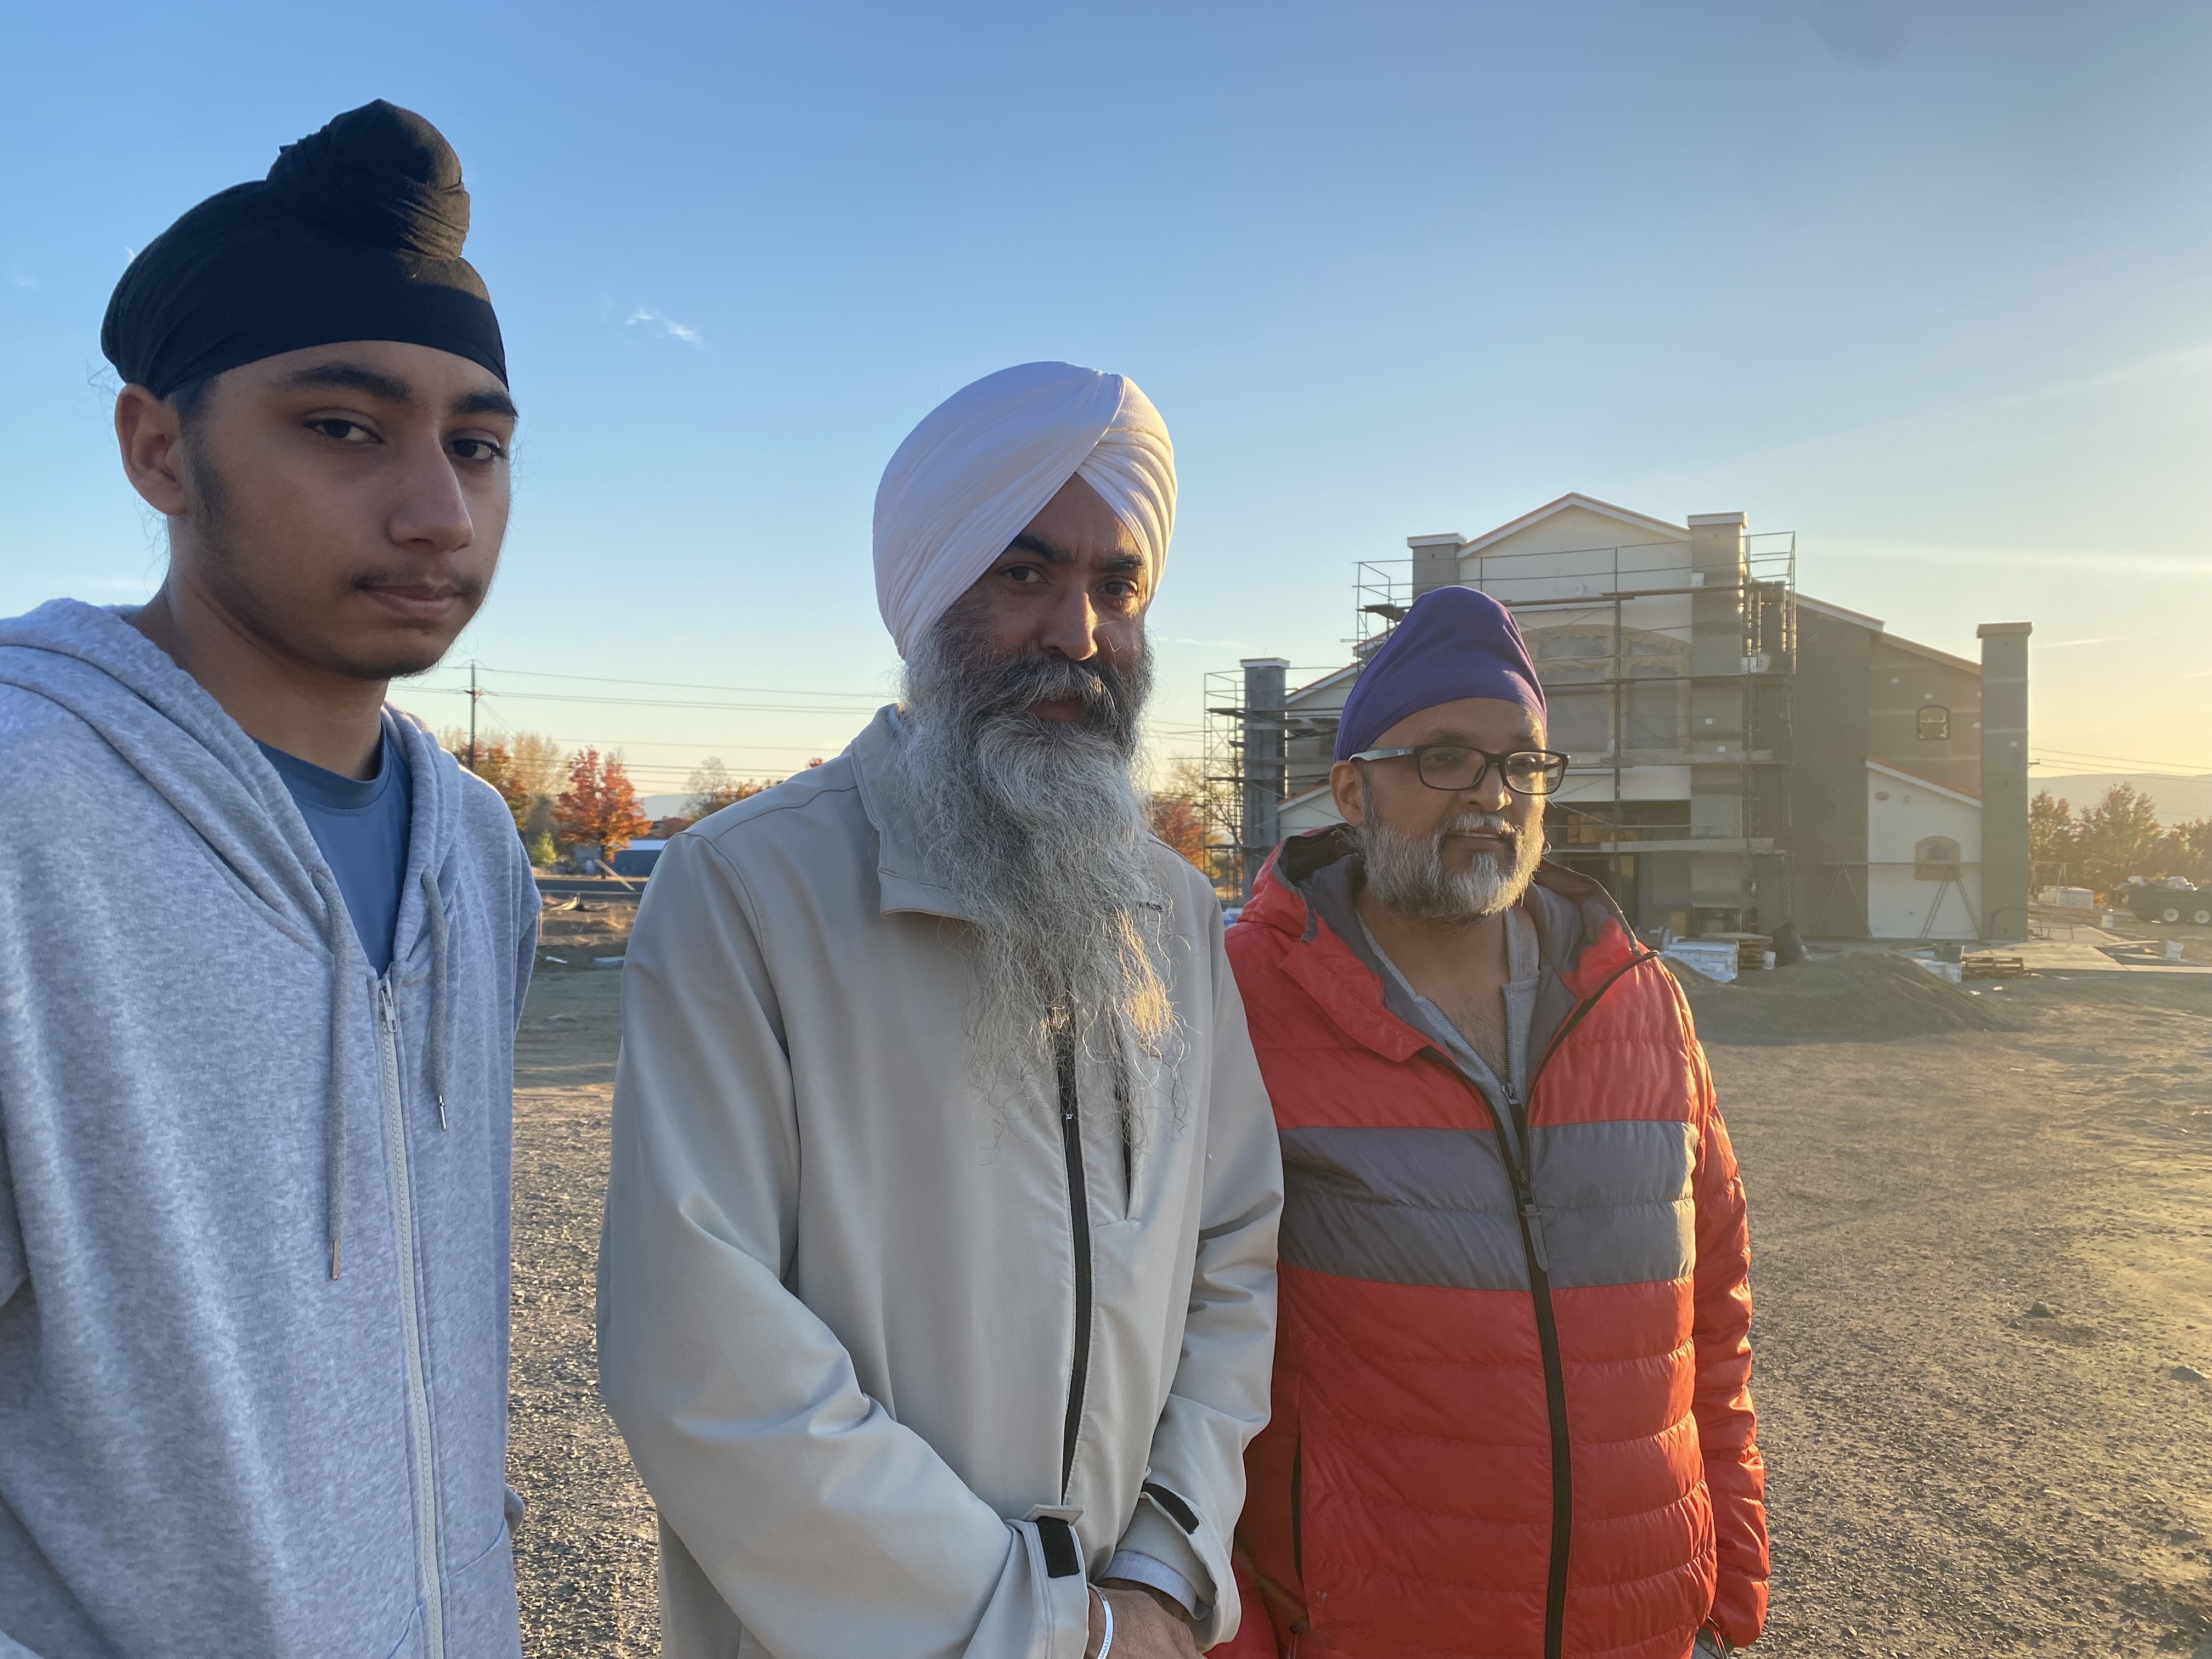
1265,768
1719,880
2004,780
1435,560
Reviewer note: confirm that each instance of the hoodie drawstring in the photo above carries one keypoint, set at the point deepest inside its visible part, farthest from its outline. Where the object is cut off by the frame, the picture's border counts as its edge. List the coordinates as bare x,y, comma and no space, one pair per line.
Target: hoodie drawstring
434,909
339,925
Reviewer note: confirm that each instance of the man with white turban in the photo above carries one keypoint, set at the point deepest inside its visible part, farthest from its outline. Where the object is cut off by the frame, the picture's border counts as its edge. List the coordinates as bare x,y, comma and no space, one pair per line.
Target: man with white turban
937,1298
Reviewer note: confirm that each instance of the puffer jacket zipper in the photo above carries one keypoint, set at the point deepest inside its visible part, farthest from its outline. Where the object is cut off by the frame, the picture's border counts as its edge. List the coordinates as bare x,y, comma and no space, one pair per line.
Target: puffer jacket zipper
1519,1159
411,1320
1079,1209
1520,1162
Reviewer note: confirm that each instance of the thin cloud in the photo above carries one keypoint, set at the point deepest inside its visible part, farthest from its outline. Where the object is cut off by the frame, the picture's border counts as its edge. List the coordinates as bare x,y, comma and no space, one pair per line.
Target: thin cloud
668,324
2097,639
2190,566
20,275
2182,362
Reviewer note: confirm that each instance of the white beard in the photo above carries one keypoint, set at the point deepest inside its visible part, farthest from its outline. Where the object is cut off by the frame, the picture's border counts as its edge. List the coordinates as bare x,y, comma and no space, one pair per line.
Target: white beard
1409,877
1038,827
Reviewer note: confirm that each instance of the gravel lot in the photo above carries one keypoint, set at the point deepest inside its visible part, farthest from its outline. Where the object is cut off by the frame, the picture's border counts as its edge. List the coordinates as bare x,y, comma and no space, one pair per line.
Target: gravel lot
1952,1471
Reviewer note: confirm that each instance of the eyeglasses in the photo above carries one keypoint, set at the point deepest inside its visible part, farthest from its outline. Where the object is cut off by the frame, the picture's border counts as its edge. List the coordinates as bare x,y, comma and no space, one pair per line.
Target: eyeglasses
1460,766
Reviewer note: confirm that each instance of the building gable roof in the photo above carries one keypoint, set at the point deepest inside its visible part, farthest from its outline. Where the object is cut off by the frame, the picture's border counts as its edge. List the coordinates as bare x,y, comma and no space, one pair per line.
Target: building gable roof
1918,782
1843,613
1636,521
1337,679
1929,651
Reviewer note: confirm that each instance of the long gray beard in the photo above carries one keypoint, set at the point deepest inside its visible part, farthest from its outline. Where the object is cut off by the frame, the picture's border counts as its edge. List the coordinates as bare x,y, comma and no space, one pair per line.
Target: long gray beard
1407,874
1038,827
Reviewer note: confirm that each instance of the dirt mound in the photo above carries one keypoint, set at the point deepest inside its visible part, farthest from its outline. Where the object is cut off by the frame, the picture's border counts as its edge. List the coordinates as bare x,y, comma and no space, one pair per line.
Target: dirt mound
1861,996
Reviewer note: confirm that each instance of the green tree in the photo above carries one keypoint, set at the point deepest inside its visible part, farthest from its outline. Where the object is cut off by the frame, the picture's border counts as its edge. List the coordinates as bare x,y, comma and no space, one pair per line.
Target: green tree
540,848
2051,840
2116,838
713,786
2186,850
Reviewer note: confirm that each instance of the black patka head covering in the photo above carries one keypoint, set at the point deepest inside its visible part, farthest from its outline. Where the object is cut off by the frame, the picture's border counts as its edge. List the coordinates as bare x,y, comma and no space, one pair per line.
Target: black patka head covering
356,234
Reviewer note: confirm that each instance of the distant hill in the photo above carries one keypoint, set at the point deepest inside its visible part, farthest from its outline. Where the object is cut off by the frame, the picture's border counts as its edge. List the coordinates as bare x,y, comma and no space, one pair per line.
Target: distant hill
2179,800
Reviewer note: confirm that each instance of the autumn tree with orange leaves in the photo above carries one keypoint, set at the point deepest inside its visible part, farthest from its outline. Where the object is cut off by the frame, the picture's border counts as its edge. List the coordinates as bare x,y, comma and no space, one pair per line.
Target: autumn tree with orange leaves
600,806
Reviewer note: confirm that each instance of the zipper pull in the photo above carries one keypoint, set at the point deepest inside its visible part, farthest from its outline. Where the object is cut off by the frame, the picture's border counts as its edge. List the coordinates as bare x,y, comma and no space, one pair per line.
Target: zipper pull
384,1005
1534,1218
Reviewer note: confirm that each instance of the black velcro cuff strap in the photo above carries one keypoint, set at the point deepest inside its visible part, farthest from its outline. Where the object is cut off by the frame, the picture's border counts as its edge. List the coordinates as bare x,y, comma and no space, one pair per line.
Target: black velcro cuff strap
1178,1511
1062,1559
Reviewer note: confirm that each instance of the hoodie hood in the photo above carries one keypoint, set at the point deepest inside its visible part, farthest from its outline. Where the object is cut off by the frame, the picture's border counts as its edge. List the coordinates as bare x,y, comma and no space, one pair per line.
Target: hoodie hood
89,660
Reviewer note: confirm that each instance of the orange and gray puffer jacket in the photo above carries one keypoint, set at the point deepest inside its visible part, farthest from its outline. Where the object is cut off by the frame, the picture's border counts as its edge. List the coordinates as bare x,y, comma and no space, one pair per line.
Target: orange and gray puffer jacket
1511,1415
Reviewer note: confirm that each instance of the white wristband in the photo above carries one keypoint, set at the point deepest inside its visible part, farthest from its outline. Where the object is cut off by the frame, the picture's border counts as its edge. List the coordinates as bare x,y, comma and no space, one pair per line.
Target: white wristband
1106,1640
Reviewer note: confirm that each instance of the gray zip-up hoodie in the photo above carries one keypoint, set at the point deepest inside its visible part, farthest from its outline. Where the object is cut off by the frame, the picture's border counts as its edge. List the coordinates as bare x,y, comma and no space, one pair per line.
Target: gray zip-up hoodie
253,1199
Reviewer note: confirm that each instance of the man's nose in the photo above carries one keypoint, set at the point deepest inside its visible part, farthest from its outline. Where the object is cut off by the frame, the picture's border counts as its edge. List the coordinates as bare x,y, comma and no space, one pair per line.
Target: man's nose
431,514
1489,792
1071,626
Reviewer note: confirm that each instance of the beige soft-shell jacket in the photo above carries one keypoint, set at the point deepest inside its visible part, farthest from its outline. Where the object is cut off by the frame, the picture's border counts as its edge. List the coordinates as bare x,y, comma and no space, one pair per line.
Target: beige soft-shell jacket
841,1286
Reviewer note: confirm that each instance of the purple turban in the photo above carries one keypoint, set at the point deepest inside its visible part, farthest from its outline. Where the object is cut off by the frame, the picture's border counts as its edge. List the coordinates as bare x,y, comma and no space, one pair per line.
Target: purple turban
1454,642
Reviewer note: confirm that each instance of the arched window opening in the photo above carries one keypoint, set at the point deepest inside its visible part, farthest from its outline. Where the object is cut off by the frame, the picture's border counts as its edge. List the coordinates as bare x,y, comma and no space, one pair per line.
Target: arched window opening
1934,724
1935,858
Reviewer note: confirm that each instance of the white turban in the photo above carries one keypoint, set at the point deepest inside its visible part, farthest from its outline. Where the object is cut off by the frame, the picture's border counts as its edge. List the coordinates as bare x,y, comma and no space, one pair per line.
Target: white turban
985,461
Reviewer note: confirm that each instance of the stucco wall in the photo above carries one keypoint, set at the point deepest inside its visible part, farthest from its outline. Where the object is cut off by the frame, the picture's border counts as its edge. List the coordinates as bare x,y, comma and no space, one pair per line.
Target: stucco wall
1828,776
1900,814
1901,682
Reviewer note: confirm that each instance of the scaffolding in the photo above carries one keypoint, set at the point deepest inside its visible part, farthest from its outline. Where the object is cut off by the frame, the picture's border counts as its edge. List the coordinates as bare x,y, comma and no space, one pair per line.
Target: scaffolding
1614,624
1248,746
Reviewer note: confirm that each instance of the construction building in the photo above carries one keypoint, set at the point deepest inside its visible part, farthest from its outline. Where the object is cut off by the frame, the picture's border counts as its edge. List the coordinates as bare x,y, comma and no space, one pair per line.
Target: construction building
1743,754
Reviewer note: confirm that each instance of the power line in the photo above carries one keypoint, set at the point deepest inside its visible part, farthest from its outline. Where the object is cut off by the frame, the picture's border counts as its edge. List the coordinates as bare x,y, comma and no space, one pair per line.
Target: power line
2186,769
672,685
640,702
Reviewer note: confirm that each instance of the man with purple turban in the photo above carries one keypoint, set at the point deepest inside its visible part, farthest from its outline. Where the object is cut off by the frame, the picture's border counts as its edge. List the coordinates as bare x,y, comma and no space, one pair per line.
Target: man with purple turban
1510,1408
937,1299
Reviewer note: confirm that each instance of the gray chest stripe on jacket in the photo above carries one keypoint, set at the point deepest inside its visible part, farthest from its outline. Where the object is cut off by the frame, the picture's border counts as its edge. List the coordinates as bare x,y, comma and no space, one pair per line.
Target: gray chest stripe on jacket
1435,1206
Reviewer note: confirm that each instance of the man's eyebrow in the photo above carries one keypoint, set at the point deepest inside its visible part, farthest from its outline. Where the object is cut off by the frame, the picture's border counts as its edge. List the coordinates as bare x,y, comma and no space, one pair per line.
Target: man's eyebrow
486,402
1025,543
1524,738
1121,562
355,377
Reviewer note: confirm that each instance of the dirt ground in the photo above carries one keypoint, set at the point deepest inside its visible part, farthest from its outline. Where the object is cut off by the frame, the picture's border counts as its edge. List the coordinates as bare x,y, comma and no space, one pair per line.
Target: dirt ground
1984,1235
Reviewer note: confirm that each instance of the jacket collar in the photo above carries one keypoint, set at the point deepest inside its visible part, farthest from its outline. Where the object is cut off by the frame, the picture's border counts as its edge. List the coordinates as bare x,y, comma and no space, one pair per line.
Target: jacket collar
903,875
1309,889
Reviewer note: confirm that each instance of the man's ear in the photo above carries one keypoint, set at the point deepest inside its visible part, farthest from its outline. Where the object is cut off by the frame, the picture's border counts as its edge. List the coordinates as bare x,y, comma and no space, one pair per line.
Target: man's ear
1344,789
149,433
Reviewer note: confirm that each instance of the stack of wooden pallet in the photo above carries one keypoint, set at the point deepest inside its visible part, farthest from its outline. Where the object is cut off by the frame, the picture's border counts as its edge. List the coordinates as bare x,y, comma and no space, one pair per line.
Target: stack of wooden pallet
1988,964
1751,949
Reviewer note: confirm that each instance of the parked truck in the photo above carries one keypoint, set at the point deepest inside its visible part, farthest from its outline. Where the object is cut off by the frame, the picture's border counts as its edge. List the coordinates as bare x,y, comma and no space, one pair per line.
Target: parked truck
2171,899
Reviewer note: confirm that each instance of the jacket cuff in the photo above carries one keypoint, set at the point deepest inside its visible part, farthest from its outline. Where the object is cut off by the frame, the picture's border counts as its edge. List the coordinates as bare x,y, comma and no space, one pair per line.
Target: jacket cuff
1131,1567
1152,1535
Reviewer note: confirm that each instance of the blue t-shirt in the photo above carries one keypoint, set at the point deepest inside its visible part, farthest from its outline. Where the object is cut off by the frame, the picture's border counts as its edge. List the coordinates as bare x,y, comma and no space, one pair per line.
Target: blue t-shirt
360,824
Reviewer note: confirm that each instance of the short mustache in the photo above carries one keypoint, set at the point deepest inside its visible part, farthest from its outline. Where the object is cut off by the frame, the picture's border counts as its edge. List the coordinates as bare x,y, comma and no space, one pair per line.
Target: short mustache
461,586
1478,823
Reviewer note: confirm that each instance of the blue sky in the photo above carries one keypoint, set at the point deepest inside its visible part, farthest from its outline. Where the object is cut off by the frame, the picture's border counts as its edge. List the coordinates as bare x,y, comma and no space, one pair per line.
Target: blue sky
1926,284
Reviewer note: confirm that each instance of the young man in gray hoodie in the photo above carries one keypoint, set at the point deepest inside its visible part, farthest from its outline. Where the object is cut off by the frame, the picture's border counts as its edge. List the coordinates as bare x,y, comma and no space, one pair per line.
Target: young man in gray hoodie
256,1019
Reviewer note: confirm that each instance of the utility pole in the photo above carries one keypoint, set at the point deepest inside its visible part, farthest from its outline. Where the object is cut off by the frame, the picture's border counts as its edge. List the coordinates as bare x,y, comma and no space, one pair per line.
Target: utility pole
473,695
